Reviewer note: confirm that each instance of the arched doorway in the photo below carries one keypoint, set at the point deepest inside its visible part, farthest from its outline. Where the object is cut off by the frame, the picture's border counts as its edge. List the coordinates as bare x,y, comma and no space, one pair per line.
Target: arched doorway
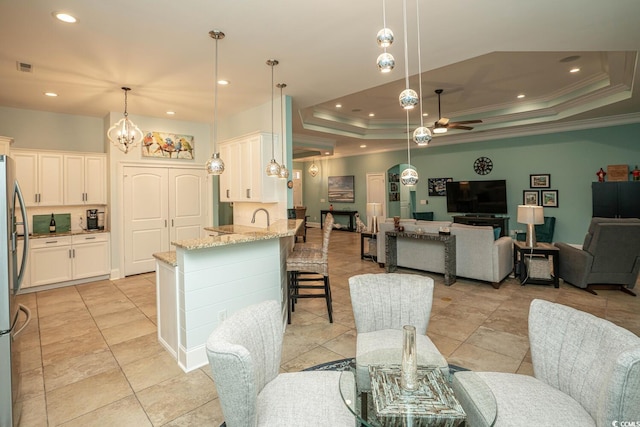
402,199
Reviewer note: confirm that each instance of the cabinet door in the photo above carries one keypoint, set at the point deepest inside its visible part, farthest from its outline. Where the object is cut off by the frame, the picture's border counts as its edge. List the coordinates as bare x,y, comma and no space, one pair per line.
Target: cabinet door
50,179
50,265
629,199
251,169
27,175
95,180
74,170
224,179
90,259
189,203
605,199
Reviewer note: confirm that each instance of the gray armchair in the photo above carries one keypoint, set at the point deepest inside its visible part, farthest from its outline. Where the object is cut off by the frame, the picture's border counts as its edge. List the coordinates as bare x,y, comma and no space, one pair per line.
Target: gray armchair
244,354
610,256
587,373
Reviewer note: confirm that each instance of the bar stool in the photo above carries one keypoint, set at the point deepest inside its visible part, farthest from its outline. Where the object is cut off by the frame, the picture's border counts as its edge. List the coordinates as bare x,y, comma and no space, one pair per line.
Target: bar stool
310,264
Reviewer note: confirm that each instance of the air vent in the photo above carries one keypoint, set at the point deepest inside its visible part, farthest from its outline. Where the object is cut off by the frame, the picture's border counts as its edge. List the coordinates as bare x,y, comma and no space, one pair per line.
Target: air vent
24,67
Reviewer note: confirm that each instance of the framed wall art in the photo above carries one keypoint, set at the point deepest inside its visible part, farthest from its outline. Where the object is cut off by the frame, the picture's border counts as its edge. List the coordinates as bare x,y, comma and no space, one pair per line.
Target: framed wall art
530,197
540,181
438,186
550,198
168,145
341,189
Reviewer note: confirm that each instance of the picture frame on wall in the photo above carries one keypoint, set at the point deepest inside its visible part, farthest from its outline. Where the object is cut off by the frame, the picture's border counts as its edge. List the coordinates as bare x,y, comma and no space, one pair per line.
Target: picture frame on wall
540,181
168,145
550,198
341,189
393,187
438,186
530,197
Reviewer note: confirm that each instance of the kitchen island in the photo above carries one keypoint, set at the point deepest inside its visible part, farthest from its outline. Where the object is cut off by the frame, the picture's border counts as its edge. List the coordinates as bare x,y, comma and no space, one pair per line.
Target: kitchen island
207,279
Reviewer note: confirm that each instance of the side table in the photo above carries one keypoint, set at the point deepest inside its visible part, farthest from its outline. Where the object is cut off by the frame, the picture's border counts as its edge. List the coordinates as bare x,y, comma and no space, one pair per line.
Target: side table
368,253
520,251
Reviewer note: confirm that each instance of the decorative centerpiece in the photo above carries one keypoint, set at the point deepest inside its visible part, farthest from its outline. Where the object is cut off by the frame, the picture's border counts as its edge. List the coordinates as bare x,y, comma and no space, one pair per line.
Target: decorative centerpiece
409,367
396,223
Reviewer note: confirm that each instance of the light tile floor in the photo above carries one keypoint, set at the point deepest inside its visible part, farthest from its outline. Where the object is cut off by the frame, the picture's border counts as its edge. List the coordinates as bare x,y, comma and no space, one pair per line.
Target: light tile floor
91,356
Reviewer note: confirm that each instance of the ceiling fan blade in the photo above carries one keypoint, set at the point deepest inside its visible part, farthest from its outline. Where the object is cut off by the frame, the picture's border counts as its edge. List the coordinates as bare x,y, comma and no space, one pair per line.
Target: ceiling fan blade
458,126
466,122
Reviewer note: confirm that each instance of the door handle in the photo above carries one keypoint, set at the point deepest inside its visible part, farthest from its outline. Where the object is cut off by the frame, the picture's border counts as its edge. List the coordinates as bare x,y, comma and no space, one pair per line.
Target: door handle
248,193
165,223
172,222
227,194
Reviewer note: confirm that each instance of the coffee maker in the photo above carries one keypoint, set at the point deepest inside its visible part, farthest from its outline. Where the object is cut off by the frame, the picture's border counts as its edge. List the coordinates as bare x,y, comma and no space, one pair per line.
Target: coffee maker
92,219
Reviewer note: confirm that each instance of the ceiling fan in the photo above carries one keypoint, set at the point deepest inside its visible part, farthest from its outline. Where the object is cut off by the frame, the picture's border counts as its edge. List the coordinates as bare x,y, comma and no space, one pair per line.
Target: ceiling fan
443,123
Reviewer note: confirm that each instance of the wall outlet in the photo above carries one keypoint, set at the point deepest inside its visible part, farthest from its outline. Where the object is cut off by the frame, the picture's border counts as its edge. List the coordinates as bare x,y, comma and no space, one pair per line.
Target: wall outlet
322,201
424,202
222,315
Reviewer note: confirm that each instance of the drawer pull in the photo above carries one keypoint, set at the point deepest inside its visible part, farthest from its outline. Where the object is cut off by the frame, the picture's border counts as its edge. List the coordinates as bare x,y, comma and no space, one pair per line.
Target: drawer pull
89,238
51,241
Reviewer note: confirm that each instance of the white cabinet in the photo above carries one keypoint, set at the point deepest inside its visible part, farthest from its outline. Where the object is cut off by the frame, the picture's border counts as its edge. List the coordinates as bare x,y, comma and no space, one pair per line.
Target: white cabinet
58,259
244,178
5,144
40,176
85,178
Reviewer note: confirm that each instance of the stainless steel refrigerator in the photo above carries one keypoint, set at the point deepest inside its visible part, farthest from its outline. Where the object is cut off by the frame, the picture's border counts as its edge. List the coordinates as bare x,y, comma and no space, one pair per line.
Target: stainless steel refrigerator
14,317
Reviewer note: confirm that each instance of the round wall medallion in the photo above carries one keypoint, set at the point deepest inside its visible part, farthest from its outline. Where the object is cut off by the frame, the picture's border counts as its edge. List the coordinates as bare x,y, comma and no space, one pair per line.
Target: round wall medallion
483,165
290,184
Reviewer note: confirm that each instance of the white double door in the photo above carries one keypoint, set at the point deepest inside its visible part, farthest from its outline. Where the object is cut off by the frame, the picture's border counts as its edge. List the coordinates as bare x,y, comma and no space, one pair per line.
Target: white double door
162,205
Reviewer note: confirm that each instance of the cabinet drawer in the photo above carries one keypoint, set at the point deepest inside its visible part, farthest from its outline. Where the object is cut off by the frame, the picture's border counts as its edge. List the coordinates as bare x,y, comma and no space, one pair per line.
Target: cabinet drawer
52,241
79,239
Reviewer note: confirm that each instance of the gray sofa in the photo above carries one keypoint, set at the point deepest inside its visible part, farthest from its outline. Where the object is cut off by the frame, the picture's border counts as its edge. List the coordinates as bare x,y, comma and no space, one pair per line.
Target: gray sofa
609,256
478,254
587,373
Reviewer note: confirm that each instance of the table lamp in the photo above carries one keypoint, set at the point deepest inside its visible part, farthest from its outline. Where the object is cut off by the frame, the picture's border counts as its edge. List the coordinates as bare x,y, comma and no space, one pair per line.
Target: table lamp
530,215
373,210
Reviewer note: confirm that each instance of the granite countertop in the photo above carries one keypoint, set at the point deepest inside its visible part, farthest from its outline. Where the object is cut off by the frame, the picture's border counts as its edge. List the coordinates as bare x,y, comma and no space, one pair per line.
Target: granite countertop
168,257
235,234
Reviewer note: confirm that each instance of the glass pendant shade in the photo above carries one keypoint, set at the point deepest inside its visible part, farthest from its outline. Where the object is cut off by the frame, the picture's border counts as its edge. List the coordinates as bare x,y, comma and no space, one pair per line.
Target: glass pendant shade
408,99
386,62
284,172
422,136
215,165
273,169
409,177
313,170
385,37
124,134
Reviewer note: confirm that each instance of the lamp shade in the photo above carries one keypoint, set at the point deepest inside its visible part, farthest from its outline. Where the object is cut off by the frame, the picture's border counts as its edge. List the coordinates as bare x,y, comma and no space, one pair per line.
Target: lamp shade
530,214
373,211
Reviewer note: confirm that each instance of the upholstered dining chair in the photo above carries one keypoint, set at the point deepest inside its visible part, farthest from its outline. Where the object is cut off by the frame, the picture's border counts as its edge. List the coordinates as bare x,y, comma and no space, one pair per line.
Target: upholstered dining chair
586,373
244,354
310,263
382,305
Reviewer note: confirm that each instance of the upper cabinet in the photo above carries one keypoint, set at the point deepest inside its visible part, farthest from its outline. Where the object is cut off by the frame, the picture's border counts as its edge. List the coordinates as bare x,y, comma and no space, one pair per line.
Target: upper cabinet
616,199
85,179
244,178
40,175
61,178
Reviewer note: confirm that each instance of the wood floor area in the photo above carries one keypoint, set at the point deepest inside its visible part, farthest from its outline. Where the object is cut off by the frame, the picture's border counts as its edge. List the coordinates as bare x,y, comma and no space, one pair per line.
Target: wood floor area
90,357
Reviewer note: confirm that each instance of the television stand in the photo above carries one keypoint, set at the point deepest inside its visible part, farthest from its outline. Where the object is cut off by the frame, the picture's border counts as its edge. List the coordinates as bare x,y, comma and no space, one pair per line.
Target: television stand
492,220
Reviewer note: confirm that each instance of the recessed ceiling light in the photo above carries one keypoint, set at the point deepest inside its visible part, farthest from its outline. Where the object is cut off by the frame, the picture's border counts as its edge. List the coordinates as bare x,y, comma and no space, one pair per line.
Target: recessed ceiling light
223,82
574,70
363,145
425,114
338,105
520,96
327,152
372,114
171,113
65,17
51,94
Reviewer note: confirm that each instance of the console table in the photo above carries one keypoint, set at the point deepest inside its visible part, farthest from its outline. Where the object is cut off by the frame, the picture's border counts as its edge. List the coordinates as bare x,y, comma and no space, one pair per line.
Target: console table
494,221
449,241
350,214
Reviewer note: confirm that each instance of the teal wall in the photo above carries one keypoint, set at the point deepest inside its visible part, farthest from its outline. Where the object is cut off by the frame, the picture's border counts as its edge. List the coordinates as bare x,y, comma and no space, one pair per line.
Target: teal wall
571,158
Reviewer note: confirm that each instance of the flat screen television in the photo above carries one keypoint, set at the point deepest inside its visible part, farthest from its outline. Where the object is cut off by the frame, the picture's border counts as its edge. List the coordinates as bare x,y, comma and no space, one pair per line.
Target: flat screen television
477,197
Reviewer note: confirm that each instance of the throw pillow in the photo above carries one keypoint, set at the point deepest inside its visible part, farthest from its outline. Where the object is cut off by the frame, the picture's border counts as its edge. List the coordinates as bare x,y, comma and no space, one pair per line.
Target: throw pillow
496,233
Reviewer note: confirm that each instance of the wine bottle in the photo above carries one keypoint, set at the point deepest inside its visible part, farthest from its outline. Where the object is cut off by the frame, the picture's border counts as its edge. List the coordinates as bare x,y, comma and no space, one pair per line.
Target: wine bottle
52,224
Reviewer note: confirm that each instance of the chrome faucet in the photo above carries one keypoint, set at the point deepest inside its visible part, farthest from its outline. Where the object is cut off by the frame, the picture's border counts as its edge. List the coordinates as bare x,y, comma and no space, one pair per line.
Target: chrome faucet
253,218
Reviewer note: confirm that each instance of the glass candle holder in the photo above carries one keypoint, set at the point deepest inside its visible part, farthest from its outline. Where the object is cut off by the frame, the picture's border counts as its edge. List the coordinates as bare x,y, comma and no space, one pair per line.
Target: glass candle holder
409,367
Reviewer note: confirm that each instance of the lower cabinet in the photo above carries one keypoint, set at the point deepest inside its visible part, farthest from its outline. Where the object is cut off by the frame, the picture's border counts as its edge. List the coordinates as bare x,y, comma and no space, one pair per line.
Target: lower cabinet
60,259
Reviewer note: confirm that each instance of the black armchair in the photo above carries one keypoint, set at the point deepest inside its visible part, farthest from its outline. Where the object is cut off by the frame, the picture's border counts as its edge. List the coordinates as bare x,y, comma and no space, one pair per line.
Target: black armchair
544,232
610,256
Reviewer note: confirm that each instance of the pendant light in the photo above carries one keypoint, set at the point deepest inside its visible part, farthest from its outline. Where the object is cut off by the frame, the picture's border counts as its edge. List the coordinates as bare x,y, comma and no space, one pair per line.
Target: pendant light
273,168
215,165
409,176
422,135
408,98
284,172
124,134
386,61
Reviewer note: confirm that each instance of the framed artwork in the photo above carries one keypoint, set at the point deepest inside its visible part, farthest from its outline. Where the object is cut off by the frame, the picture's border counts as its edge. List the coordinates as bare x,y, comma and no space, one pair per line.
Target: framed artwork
540,181
530,197
394,197
341,189
550,198
393,187
394,177
438,186
168,145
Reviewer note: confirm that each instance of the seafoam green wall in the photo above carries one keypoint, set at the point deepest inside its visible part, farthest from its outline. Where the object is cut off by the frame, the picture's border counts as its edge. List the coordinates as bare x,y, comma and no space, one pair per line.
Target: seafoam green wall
571,158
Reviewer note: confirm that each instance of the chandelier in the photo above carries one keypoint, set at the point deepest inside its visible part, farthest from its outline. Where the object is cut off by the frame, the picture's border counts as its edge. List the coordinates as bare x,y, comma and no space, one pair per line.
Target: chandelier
215,165
124,134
